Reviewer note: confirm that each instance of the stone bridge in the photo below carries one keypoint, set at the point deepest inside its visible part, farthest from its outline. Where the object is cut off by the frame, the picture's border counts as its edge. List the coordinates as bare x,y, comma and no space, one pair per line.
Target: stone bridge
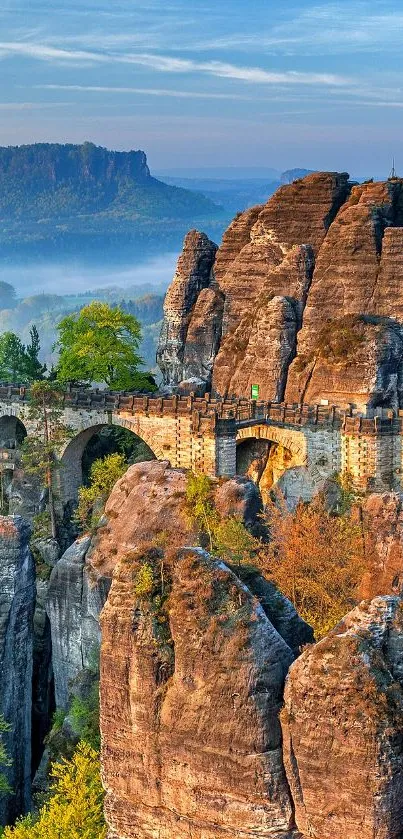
203,434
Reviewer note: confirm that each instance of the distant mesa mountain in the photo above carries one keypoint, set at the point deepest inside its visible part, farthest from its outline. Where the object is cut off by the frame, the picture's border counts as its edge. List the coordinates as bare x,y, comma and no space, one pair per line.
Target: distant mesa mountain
291,175
76,197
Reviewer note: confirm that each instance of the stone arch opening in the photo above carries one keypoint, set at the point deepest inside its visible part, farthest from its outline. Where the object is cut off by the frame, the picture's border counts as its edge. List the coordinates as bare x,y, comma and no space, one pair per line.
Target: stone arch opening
82,450
264,461
12,432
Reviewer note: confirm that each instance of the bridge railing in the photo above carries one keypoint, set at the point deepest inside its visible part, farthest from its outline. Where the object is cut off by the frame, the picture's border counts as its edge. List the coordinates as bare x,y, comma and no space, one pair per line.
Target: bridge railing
218,409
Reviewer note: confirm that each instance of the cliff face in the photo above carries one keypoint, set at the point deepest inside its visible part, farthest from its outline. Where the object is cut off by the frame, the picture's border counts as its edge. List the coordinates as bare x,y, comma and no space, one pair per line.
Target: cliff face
195,731
193,662
194,659
292,273
17,586
199,336
73,605
341,725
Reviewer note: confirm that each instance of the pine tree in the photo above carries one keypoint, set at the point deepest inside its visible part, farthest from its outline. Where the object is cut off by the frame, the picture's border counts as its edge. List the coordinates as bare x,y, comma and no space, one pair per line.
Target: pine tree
35,370
40,451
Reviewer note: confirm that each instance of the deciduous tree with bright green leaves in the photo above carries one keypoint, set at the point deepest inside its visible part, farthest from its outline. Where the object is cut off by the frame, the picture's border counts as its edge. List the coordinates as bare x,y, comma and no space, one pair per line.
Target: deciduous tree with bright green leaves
100,344
75,806
104,473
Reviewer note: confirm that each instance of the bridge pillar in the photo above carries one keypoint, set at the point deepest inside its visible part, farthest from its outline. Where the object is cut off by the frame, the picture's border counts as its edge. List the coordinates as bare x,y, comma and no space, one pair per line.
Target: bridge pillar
374,461
226,449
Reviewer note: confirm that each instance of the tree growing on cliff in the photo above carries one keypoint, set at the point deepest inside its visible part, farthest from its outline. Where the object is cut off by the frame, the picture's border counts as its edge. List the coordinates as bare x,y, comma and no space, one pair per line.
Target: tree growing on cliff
104,473
100,344
4,758
316,559
40,451
227,537
75,806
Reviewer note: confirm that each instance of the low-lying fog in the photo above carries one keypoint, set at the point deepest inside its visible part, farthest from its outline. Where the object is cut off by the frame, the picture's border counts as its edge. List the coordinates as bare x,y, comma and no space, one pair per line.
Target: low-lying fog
73,278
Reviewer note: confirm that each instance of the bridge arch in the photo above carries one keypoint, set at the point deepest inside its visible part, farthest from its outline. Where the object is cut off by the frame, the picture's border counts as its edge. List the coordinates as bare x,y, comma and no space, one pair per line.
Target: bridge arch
265,453
71,477
12,431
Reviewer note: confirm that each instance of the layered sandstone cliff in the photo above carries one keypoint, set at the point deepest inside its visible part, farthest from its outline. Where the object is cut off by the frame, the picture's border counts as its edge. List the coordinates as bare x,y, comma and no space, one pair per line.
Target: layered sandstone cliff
317,255
342,727
193,663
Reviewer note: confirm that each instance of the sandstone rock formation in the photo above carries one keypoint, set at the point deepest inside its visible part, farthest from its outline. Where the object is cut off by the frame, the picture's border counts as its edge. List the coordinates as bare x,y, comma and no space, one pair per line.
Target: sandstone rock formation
319,253
17,587
383,518
192,276
192,669
353,360
190,700
342,727
73,605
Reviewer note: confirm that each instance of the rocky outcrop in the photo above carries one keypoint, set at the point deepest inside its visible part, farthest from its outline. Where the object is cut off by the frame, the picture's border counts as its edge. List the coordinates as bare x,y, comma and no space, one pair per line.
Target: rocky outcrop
382,515
193,275
17,587
342,727
319,253
193,662
259,351
73,605
354,360
191,688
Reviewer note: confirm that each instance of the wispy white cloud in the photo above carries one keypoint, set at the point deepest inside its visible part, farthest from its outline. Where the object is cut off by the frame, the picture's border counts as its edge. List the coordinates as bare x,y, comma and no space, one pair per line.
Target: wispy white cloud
255,75
44,52
146,91
170,64
331,28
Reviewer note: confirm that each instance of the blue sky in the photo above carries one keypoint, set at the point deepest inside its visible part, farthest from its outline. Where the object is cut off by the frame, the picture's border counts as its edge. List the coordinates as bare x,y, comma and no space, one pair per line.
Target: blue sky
225,83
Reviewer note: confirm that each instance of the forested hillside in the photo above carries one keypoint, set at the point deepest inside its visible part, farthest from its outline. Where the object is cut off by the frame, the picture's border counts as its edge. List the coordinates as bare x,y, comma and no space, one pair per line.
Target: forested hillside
67,198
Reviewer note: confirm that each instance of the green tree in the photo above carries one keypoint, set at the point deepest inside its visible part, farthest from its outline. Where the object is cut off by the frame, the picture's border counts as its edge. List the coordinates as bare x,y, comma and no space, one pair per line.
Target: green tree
34,369
75,806
40,451
100,344
227,537
12,358
4,758
104,473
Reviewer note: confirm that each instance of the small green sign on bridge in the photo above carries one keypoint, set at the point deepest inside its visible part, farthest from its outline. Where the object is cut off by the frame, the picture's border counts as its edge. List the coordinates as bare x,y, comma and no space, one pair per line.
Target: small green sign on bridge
255,392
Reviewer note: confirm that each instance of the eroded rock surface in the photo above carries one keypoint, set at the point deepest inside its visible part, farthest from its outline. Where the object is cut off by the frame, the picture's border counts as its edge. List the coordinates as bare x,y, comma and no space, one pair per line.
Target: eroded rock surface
193,275
354,360
190,702
342,723
17,599
73,605
192,670
319,253
383,518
